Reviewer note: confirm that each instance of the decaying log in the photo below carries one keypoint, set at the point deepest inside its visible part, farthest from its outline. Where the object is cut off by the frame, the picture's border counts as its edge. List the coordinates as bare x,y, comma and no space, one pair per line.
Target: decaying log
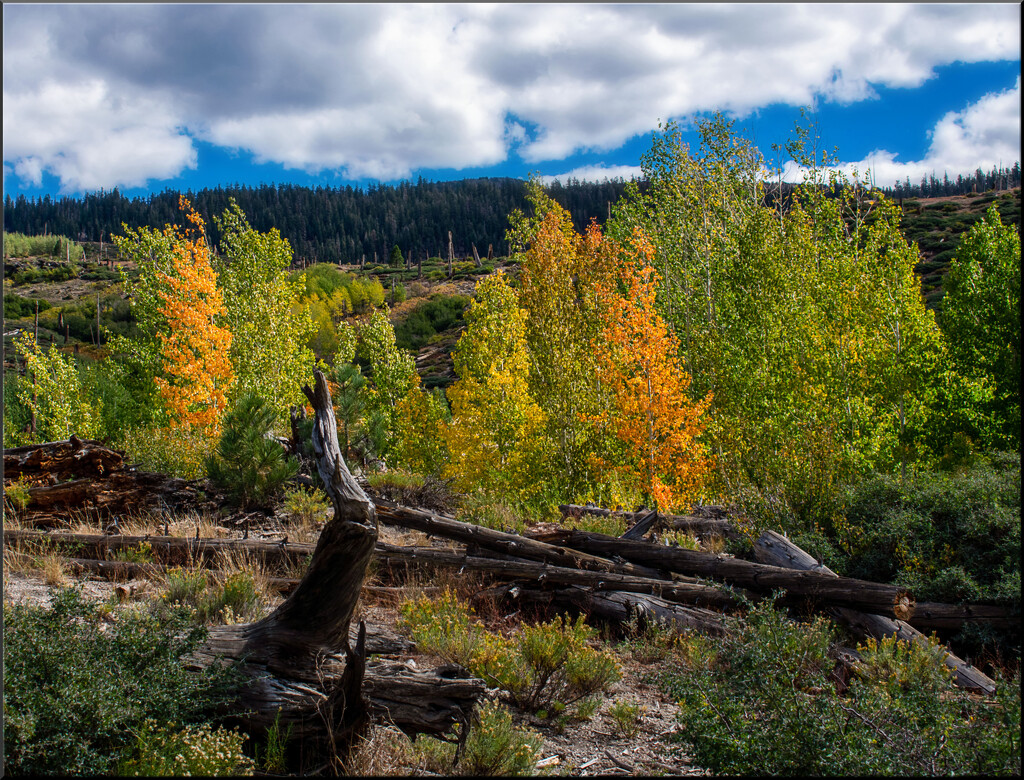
300,664
642,526
66,478
813,586
62,459
541,573
509,544
171,549
712,521
777,550
616,607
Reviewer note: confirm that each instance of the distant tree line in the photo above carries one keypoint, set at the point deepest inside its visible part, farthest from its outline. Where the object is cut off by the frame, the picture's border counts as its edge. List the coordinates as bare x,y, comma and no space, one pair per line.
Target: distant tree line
998,178
327,224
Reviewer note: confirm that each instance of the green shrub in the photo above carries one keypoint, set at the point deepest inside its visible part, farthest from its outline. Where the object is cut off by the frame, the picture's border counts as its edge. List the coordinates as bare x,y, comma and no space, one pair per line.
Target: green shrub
547,667
140,553
626,717
440,313
763,702
16,307
443,627
495,747
946,537
250,465
306,505
196,750
166,451
78,686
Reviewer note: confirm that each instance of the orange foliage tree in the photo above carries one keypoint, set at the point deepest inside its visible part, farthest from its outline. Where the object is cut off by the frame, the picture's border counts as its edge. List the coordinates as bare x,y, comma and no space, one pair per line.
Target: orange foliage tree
196,369
638,357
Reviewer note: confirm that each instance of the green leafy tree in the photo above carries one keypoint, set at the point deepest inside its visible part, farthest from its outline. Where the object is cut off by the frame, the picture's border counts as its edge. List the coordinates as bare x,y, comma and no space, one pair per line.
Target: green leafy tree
560,270
396,259
269,333
804,323
53,392
392,376
981,318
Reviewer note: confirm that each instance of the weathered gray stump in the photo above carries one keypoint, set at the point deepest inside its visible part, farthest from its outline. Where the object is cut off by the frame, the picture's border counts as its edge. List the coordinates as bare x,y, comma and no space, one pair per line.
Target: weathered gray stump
298,661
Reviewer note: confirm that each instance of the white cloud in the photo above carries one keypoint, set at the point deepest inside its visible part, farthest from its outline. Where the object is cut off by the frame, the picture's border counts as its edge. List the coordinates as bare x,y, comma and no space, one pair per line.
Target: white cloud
109,94
596,173
89,138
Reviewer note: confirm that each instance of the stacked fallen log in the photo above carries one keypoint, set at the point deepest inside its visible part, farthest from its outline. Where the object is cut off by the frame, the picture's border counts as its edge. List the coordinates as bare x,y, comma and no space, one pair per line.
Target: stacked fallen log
711,521
75,477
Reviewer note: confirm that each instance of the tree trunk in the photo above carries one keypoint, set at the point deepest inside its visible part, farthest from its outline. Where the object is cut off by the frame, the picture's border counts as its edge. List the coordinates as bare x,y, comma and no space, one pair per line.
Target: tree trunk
805,585
777,550
542,573
476,257
617,607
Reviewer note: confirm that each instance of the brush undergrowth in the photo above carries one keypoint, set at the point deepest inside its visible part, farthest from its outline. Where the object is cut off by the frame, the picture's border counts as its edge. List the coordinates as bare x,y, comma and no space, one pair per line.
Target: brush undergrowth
80,684
548,667
763,701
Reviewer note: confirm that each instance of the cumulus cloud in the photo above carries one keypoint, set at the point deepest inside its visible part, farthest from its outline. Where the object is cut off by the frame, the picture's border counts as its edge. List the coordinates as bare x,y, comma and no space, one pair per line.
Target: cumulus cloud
90,139
104,95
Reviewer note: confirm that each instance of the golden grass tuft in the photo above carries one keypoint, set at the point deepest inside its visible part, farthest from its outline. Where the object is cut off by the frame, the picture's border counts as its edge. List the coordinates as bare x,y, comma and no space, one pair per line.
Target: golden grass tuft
53,570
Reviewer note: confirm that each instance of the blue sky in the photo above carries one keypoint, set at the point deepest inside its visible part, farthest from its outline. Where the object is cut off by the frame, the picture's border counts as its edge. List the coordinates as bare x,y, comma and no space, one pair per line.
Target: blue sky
147,97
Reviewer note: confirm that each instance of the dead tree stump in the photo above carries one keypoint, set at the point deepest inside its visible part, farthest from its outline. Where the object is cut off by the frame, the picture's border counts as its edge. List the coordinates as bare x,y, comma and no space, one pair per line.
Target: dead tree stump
298,662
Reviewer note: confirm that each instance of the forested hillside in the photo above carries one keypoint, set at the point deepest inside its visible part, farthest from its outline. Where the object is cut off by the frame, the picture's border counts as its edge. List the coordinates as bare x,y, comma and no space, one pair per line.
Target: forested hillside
334,225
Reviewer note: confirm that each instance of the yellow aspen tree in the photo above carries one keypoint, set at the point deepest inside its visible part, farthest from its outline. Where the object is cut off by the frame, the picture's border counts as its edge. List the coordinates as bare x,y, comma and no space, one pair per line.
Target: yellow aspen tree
639,361
495,421
560,270
196,368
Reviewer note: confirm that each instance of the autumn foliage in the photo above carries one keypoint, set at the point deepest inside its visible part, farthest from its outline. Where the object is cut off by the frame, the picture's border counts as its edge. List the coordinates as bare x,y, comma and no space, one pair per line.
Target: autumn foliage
196,368
639,361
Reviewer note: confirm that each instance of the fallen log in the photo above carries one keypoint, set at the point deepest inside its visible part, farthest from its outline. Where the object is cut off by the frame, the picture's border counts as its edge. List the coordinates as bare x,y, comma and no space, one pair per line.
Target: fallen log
171,549
61,459
676,591
805,585
711,522
510,544
66,480
302,670
616,607
777,550
642,526
281,553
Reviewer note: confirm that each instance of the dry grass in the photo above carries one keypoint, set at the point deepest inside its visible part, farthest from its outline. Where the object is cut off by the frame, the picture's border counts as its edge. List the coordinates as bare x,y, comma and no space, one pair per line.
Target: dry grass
713,544
53,570
17,562
384,751
244,562
194,524
304,531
